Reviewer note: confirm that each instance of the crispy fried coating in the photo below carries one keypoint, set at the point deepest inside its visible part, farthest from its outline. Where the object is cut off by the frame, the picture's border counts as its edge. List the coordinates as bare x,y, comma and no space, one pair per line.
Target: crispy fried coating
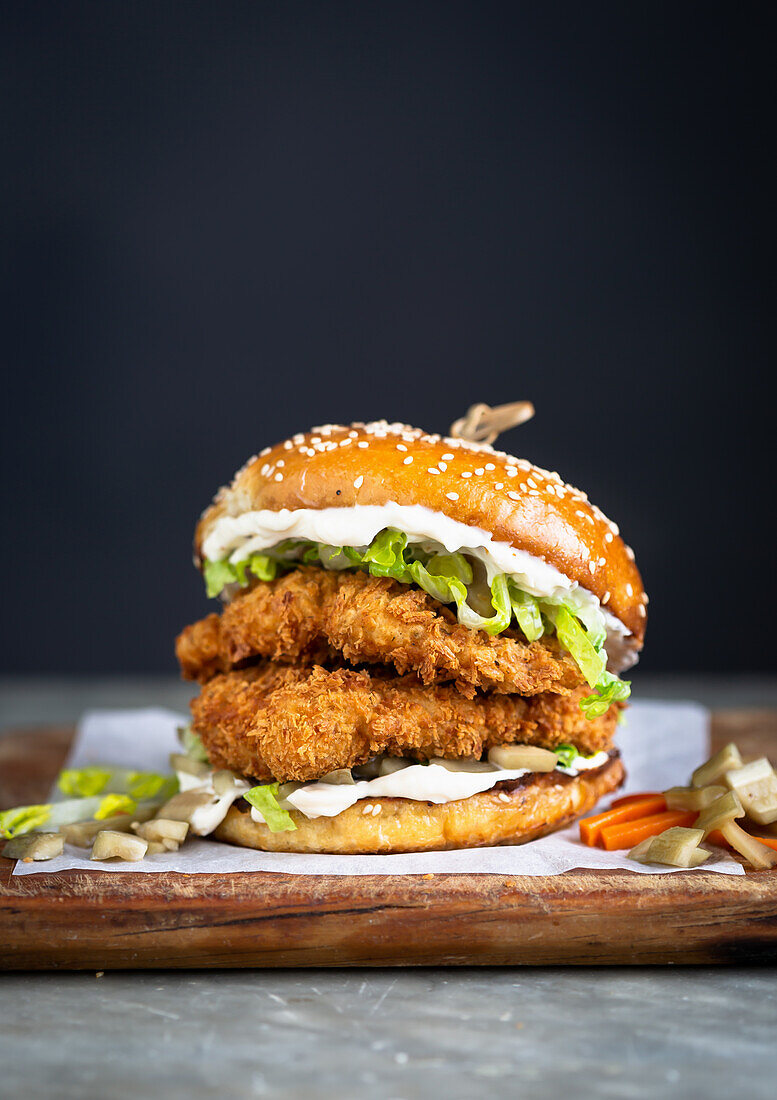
310,614
298,723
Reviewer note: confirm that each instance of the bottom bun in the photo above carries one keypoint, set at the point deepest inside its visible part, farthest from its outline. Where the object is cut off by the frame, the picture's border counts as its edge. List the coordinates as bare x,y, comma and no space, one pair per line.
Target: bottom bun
512,813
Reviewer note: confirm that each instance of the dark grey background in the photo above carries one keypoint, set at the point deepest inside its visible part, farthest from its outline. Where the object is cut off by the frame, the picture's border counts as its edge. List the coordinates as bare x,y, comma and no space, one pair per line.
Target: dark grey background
226,222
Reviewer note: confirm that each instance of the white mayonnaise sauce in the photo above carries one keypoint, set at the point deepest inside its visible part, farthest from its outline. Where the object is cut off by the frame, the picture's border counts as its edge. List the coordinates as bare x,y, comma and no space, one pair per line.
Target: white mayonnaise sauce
418,782
238,536
207,817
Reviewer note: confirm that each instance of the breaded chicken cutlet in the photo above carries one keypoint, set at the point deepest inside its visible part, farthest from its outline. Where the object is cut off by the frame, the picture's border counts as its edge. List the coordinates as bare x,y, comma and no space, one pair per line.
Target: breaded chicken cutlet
311,613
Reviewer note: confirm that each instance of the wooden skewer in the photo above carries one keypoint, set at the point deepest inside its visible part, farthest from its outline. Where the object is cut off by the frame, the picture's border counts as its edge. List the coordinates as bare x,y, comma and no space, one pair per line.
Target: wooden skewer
483,423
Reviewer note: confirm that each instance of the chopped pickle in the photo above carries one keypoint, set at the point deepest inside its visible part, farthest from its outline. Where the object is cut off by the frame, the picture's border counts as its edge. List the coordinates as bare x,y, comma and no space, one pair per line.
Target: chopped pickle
639,851
285,789
726,760
756,788
719,812
465,765
82,834
691,798
35,846
224,781
390,764
676,847
182,806
758,854
109,844
514,757
162,829
340,777
155,848
179,762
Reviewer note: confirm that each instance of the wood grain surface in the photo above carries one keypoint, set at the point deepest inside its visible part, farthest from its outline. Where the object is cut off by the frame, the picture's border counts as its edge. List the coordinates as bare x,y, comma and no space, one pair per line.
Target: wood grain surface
90,920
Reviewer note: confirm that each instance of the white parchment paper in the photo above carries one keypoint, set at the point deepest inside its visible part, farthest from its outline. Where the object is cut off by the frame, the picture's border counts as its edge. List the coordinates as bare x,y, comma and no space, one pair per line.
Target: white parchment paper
661,744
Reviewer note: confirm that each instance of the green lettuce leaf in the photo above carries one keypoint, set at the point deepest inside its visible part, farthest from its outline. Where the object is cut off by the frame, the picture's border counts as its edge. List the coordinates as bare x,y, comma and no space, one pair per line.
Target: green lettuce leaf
84,782
23,819
610,689
573,638
218,574
265,799
114,804
527,612
97,779
192,744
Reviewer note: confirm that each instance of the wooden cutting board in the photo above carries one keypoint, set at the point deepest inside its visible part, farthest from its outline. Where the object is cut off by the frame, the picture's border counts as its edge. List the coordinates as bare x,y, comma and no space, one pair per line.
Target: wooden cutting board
91,920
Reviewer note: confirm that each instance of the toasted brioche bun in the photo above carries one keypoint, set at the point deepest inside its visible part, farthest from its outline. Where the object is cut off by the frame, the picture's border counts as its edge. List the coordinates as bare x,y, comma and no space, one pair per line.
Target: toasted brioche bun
537,805
519,504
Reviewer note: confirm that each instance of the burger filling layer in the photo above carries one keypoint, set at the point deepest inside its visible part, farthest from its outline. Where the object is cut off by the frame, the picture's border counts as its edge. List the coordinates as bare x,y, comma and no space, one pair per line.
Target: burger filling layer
491,585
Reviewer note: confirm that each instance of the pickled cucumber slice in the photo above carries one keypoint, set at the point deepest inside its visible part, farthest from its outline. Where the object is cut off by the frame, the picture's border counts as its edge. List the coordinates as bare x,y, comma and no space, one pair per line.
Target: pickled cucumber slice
726,760
756,788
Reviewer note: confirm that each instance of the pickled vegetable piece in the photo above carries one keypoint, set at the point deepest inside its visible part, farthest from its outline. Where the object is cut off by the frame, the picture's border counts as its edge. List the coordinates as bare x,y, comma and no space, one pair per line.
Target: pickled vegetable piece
756,788
179,762
719,812
390,764
109,844
465,765
676,847
182,806
726,760
340,777
514,757
692,798
34,846
163,830
758,854
82,833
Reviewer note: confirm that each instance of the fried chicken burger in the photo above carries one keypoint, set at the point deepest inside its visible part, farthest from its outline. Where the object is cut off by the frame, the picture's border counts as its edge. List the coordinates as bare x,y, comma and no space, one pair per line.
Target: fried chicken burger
419,646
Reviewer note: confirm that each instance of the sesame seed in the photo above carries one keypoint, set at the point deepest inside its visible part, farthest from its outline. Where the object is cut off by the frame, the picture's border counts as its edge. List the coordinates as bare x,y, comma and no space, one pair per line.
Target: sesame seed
499,485
401,447
359,482
266,451
280,463
407,461
514,496
265,469
512,472
279,477
524,487
367,809
534,493
466,473
452,496
447,458
641,609
363,444
443,466
480,471
591,568
602,561
532,482
353,434
431,470
503,797
629,590
606,597
629,553
376,809
490,466
609,536
288,445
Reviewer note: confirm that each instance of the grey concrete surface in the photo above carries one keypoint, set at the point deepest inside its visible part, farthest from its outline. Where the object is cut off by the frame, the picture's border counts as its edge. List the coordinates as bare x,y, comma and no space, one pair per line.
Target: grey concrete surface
629,1033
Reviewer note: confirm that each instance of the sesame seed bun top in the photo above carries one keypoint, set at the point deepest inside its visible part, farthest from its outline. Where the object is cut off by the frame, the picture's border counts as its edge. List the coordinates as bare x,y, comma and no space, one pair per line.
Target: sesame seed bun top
520,504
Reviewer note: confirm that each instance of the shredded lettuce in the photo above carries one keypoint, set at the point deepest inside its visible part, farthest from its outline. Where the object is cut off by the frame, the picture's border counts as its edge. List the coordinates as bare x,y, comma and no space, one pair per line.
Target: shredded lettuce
84,782
26,819
265,799
96,779
23,819
218,574
114,804
579,626
609,690
192,744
